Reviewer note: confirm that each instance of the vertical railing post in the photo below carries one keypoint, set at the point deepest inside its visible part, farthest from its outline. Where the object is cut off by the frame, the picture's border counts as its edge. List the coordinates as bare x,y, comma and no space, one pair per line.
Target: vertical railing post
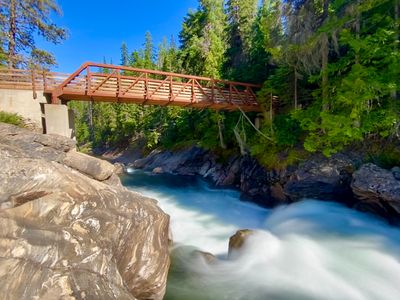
44,80
33,78
193,95
170,88
118,84
88,81
212,90
146,82
230,93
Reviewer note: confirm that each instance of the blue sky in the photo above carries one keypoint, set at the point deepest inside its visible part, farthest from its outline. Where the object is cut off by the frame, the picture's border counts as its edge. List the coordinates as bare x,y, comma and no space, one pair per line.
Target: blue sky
97,28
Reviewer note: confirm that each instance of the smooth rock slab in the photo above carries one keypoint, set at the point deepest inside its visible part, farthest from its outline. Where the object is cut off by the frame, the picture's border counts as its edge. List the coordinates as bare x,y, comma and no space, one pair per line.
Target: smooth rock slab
64,235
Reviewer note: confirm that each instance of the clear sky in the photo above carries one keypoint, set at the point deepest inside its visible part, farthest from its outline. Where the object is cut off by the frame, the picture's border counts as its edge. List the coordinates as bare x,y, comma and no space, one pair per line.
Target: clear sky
98,27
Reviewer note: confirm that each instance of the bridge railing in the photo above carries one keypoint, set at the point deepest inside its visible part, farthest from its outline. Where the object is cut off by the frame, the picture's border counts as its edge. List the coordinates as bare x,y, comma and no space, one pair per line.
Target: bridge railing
39,80
104,81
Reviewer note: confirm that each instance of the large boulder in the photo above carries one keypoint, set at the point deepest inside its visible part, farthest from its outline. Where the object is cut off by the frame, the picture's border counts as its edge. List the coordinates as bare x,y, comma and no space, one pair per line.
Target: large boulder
91,166
184,162
377,190
322,178
64,235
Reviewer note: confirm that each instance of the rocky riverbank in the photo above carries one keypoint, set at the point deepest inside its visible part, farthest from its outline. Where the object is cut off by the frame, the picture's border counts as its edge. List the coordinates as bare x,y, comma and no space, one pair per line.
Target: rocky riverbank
69,230
342,177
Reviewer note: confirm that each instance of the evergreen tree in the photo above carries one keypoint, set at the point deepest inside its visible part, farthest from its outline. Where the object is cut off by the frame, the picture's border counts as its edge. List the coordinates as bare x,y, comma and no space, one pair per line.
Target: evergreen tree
124,54
148,54
241,22
203,39
20,21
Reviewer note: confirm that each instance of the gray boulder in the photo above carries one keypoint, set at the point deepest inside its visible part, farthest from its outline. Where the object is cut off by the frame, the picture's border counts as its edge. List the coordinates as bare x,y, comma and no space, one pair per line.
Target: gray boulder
377,190
185,162
322,178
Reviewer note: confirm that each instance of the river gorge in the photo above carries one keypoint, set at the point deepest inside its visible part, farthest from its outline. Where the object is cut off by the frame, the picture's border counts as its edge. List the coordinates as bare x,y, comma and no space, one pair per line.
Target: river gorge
306,250
73,226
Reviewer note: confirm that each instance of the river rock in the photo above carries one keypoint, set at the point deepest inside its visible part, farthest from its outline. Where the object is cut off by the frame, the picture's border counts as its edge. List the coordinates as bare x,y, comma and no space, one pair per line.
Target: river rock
64,235
184,162
322,178
237,240
158,170
207,256
377,189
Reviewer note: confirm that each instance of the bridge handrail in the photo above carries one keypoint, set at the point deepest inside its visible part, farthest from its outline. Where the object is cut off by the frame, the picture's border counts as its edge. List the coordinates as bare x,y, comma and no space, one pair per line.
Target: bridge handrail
105,82
30,79
154,72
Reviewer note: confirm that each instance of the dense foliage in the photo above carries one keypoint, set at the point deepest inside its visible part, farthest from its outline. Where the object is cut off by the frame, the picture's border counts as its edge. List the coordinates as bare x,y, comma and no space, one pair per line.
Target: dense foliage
333,66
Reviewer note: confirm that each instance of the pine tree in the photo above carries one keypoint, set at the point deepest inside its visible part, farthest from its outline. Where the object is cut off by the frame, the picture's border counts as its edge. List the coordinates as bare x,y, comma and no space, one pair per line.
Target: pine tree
241,18
148,54
20,21
203,39
124,54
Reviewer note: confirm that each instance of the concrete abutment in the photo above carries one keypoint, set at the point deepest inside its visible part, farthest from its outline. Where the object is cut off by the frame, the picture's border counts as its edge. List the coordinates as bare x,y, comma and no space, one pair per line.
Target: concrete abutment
35,107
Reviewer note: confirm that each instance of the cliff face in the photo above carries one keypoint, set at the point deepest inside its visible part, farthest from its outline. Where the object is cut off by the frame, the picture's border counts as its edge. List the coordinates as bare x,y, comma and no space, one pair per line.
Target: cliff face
69,230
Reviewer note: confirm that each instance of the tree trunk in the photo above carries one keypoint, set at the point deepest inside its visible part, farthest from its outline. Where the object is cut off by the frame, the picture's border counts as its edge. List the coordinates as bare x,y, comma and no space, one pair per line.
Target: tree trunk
325,59
91,127
357,28
221,136
325,79
396,22
295,88
12,33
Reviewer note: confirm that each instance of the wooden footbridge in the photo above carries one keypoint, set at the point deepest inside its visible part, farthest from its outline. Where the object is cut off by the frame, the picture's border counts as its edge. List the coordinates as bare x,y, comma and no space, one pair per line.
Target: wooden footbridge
120,84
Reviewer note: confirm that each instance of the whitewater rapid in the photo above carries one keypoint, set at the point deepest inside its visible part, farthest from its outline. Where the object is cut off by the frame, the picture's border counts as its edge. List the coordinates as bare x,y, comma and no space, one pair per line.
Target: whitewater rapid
307,250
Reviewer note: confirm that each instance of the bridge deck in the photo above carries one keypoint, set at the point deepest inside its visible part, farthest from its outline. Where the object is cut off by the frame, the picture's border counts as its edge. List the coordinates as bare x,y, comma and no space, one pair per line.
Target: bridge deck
109,83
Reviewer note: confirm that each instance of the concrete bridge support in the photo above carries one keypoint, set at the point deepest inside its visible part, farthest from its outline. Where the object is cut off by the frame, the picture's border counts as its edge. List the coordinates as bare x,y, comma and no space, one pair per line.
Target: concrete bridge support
59,120
34,107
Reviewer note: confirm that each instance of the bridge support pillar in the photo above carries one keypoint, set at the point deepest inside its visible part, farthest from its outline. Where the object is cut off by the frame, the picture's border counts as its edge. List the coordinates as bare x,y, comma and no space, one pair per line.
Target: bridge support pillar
59,120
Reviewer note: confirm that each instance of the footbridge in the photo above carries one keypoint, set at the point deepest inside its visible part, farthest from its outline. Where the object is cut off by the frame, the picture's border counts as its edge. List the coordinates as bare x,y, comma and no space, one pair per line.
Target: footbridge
120,84
38,94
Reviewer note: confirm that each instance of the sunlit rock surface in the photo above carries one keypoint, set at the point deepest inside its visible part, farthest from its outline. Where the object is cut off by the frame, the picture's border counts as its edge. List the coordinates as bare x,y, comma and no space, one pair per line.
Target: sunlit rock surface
64,235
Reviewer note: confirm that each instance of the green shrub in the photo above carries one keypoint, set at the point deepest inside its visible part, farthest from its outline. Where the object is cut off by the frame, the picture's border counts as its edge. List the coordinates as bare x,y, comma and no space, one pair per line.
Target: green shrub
385,157
10,118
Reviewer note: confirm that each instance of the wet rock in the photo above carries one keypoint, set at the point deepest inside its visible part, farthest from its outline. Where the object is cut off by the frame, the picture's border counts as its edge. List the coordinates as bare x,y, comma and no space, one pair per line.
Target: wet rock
396,172
243,172
377,190
237,240
322,178
64,235
184,162
207,256
158,170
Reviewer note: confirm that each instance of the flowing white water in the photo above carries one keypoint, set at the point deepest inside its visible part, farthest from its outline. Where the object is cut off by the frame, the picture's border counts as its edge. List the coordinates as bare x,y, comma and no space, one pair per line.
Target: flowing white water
308,250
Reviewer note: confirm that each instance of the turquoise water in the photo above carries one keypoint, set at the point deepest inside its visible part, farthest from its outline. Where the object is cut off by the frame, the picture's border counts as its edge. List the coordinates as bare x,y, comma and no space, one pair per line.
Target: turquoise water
307,250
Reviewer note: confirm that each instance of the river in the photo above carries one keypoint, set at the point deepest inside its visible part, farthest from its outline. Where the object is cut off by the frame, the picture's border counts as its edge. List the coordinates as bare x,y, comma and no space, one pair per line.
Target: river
310,250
